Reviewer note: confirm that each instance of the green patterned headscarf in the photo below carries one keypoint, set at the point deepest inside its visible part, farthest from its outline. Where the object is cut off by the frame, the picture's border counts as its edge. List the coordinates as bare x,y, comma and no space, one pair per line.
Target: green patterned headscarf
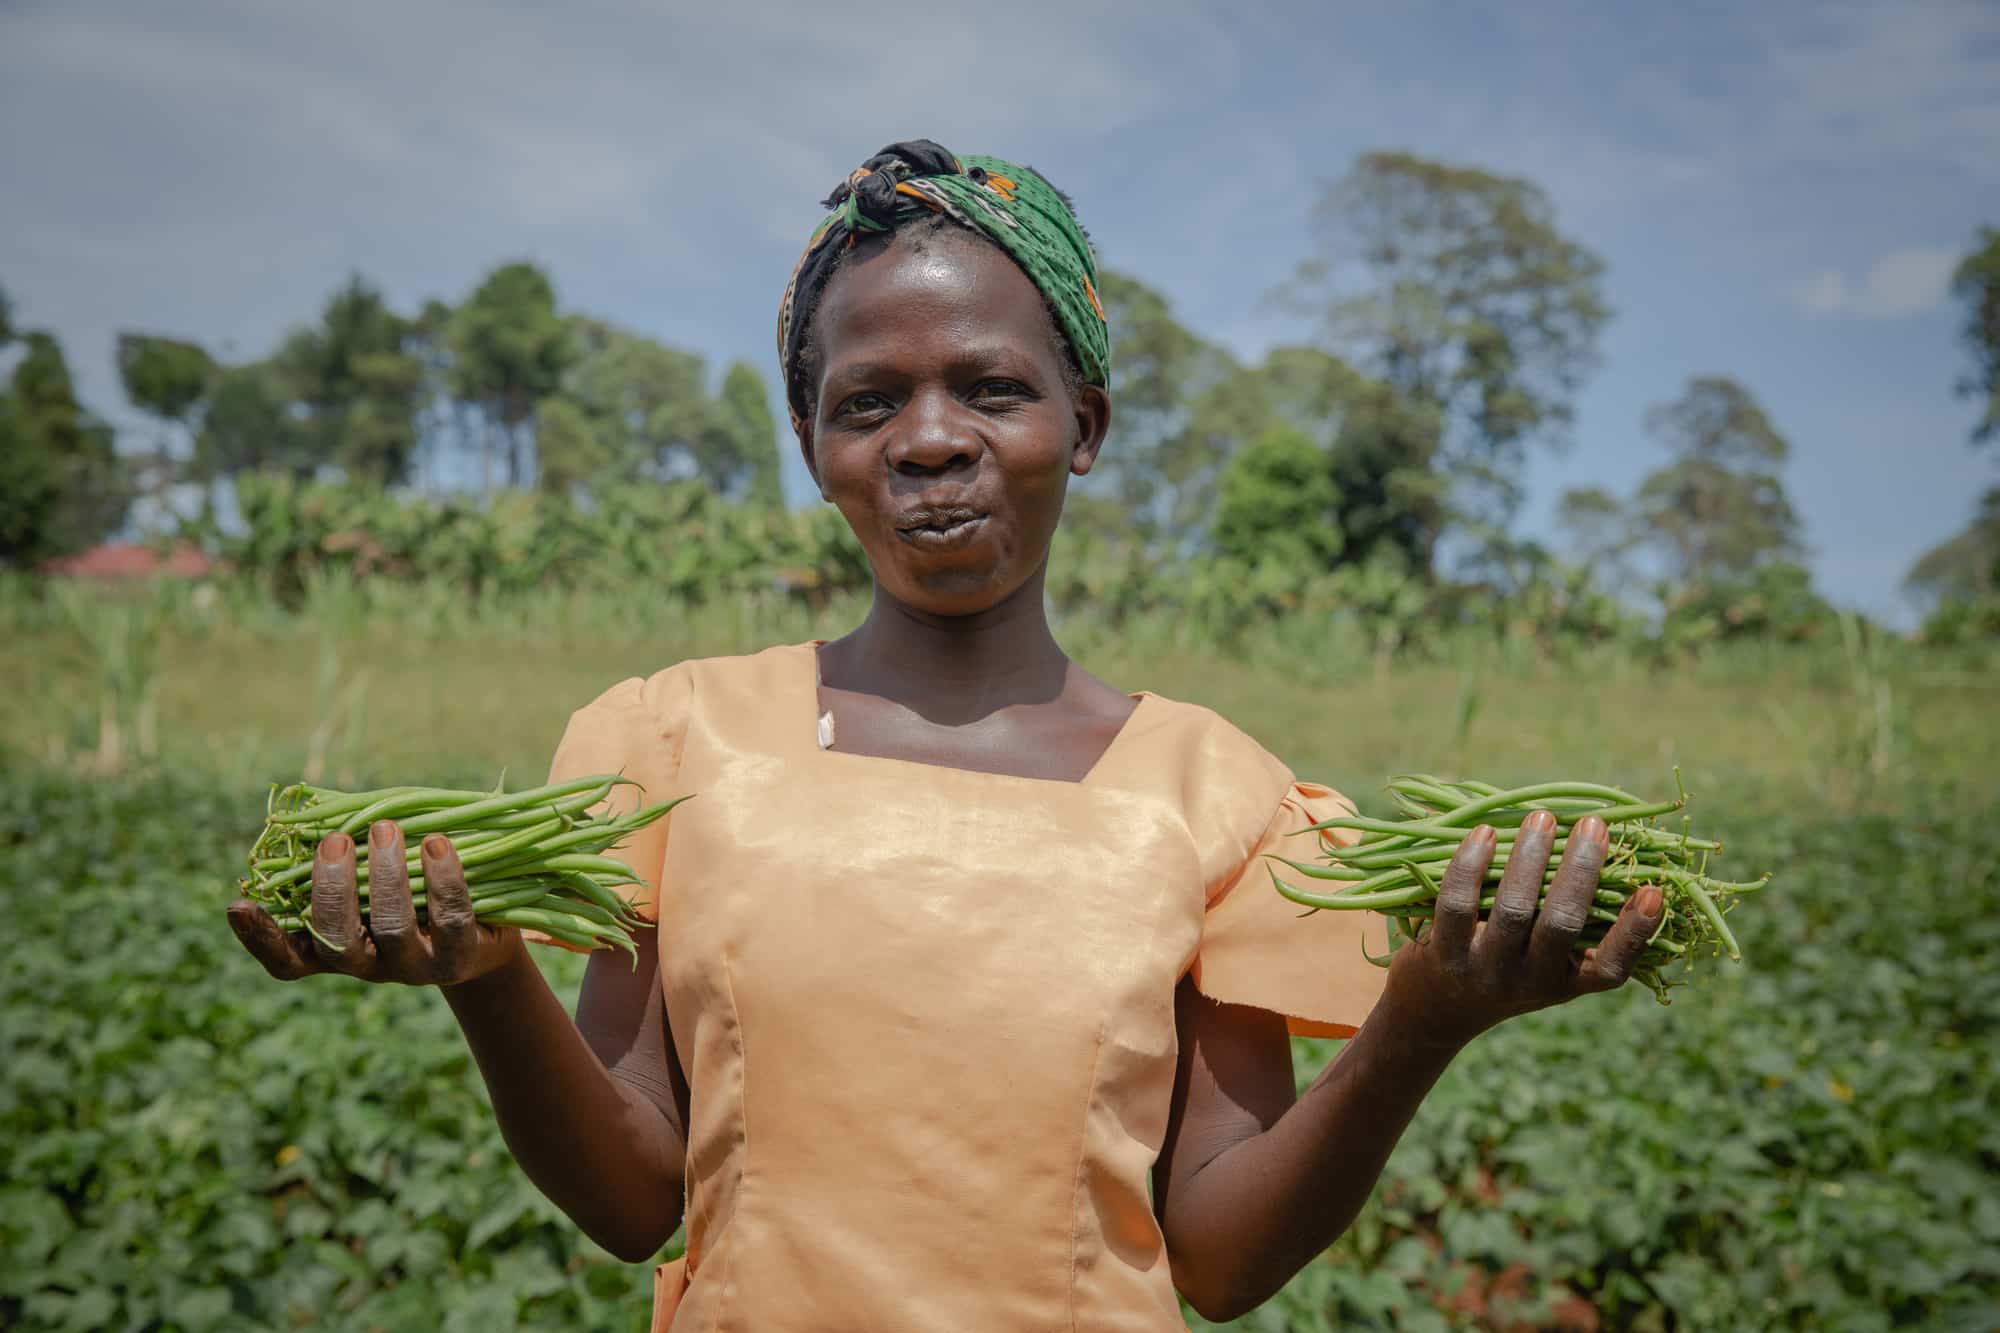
1008,202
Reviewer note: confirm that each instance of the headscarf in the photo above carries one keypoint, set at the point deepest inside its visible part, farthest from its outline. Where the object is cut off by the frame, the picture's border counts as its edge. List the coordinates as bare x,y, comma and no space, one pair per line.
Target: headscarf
1005,201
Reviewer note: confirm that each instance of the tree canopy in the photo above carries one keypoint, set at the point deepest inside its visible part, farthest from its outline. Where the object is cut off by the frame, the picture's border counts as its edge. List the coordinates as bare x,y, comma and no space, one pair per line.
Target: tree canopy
1717,510
1456,288
62,484
1976,284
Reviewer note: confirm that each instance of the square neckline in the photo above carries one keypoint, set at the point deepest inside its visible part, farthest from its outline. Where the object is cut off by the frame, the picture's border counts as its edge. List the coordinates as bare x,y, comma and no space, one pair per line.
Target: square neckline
813,712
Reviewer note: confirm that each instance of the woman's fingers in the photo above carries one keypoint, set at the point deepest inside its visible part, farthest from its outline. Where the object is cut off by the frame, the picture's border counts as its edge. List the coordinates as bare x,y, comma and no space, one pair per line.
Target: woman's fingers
1608,964
1520,891
339,940
1458,899
392,919
448,903
1570,895
281,954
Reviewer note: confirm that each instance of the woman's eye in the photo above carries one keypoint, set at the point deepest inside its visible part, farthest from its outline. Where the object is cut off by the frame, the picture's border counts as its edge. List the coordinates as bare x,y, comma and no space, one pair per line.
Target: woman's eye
862,404
999,389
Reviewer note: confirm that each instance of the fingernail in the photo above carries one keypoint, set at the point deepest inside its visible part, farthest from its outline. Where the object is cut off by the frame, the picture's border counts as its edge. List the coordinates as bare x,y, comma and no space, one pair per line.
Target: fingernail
334,846
1650,901
1590,827
382,833
435,845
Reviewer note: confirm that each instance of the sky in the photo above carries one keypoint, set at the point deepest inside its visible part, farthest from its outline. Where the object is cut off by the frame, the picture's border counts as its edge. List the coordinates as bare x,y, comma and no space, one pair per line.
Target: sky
1779,191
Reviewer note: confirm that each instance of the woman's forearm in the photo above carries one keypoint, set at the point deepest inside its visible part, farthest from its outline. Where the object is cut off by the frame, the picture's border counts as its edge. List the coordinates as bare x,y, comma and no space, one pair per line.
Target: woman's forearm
1273,1201
604,1152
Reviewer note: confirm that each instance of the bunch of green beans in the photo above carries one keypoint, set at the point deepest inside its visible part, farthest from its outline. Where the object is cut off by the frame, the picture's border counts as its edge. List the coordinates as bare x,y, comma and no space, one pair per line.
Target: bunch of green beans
1395,867
532,858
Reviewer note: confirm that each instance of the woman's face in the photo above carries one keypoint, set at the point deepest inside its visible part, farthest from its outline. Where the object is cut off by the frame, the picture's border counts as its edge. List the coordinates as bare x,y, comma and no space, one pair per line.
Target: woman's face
944,431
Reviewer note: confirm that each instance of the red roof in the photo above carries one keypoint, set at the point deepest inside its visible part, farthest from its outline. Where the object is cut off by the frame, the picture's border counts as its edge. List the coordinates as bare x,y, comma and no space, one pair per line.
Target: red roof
130,560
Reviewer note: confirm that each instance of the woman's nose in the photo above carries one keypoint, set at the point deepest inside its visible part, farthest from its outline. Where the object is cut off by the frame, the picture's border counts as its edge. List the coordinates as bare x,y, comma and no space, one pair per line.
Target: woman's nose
934,436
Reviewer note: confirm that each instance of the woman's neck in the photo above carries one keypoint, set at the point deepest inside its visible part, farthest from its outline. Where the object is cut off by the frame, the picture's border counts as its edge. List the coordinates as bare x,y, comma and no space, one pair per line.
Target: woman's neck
967,665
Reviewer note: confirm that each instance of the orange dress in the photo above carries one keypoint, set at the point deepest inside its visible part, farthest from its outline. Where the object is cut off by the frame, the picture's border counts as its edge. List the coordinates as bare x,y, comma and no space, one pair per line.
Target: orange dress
927,1014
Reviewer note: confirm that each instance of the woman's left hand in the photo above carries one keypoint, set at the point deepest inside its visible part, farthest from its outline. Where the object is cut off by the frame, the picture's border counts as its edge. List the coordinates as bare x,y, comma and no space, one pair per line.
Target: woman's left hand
1465,976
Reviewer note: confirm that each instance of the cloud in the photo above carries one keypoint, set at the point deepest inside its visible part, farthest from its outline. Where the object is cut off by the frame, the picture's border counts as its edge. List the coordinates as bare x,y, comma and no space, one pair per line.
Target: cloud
1905,281
216,171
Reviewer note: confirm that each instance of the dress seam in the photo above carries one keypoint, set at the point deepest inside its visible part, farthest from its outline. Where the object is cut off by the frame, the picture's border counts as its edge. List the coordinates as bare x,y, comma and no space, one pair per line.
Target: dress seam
1082,1155
743,1182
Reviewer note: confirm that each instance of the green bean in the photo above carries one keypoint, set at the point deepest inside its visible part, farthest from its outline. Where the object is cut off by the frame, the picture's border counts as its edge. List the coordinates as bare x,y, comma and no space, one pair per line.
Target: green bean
532,858
446,819
1391,866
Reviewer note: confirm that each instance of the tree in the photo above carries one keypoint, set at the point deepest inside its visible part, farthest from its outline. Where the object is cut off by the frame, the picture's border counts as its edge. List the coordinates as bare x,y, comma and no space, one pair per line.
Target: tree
1716,512
1977,284
572,448
744,407
1597,525
249,425
165,377
1278,504
62,484
1299,387
1393,498
1160,369
1455,287
1718,506
628,407
509,350
1964,568
1376,447
358,384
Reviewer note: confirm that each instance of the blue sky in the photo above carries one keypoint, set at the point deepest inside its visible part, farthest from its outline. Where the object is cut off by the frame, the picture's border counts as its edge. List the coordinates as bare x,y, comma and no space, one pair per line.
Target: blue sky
1778,190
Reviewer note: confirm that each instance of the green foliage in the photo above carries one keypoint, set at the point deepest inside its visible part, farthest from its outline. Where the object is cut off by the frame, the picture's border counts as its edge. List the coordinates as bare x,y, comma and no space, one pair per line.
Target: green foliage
632,409
62,484
355,378
509,349
1595,522
1281,558
1160,367
1716,515
1805,1141
1393,497
248,425
1774,602
1976,283
1718,507
186,1144
627,408
744,407
1278,504
1802,1142
1963,622
677,540
1961,576
163,376
1455,286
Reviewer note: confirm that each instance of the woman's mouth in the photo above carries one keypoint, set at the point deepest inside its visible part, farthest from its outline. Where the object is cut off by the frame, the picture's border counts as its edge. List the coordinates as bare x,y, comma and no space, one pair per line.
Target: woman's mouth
943,529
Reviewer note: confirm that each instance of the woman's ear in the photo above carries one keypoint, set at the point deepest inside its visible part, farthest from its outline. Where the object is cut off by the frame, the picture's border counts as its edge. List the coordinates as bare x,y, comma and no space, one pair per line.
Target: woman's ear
1093,418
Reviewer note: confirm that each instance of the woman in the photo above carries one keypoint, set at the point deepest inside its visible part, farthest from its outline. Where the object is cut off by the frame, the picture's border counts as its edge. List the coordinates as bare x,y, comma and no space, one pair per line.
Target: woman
959,948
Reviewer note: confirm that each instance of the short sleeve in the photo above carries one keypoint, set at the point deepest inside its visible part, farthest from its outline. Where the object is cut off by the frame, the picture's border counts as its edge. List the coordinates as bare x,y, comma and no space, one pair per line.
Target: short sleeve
634,729
1259,948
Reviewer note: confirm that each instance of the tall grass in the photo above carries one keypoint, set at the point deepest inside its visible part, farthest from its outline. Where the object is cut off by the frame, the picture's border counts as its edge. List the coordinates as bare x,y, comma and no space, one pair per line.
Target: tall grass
381,679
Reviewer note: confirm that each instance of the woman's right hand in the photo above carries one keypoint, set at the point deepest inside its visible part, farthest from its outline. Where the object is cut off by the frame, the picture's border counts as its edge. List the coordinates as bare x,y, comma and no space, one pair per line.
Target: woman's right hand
392,946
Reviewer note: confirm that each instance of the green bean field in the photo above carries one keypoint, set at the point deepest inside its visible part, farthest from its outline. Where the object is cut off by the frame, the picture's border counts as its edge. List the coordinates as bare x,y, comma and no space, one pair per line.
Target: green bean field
1802,1140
